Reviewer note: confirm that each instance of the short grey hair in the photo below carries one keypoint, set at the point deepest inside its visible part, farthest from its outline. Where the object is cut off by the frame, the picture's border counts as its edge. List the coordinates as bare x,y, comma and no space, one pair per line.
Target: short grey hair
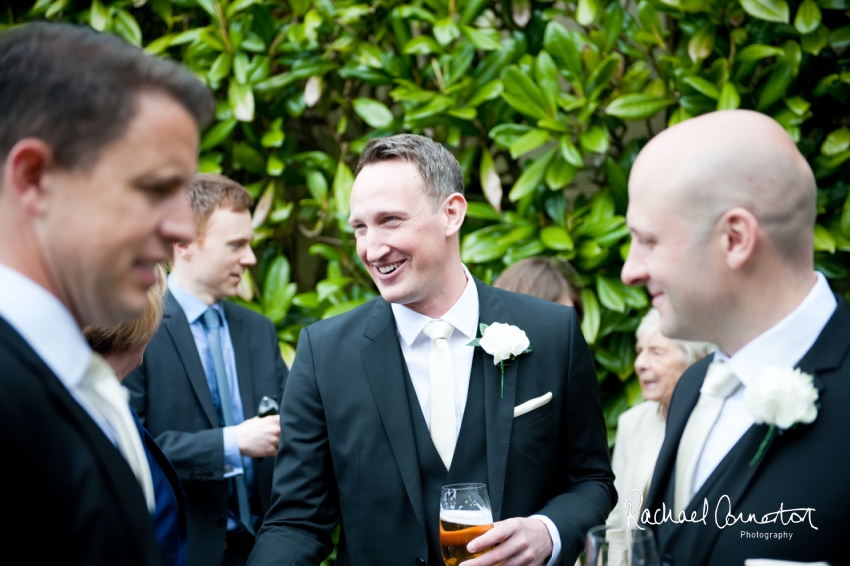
692,351
441,173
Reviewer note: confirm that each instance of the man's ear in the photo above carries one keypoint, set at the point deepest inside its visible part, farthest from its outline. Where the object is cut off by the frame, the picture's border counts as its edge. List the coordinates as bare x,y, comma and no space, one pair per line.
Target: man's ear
25,174
738,235
183,250
454,207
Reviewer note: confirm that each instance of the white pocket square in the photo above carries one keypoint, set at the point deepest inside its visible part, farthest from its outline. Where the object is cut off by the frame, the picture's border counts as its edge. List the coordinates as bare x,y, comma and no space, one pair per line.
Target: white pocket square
532,404
769,562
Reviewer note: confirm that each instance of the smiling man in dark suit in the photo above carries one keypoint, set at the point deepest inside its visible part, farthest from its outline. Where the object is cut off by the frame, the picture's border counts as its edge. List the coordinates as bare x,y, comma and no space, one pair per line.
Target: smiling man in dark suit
203,377
97,144
722,211
388,403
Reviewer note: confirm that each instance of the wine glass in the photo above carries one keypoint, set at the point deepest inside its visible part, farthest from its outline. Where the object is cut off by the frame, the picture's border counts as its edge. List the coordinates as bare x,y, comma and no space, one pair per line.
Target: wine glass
620,546
464,515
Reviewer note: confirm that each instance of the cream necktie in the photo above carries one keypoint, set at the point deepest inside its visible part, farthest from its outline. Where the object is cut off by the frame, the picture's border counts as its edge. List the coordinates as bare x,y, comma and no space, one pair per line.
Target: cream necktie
101,390
719,383
443,423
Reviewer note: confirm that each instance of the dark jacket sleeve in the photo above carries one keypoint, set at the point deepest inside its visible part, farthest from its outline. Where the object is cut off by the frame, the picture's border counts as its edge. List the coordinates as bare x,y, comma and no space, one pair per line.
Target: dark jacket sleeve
305,508
587,492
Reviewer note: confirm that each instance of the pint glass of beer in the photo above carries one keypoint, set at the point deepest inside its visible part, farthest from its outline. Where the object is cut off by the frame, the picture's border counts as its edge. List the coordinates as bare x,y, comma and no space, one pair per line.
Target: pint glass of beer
464,515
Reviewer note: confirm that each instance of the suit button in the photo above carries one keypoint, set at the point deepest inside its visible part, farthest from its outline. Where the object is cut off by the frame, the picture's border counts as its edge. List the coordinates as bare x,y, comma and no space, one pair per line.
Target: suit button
221,522
420,561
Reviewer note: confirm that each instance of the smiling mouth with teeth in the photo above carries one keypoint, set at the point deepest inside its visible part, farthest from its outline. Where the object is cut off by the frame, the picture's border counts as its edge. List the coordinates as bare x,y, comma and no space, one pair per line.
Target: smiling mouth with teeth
385,269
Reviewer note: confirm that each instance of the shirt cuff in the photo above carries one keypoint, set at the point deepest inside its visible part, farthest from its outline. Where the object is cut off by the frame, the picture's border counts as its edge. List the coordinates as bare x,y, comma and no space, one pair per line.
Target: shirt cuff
232,456
554,535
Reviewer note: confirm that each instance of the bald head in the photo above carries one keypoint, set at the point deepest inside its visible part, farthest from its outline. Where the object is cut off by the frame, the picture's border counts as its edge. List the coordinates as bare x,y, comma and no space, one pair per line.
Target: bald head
737,158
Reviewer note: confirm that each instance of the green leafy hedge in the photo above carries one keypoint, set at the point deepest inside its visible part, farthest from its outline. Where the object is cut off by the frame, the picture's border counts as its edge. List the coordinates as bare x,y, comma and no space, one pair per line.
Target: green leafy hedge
545,105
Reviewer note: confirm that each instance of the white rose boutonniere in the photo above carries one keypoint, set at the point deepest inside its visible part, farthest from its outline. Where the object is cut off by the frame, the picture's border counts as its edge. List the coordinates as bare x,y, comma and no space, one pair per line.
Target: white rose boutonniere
503,342
781,398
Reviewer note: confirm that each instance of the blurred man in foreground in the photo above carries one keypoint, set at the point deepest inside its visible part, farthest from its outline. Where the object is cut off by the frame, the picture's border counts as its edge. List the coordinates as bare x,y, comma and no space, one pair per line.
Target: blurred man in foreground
97,144
722,211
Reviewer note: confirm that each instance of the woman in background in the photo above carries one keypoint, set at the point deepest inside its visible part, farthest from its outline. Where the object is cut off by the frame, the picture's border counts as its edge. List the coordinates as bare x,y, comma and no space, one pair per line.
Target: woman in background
544,278
660,363
122,347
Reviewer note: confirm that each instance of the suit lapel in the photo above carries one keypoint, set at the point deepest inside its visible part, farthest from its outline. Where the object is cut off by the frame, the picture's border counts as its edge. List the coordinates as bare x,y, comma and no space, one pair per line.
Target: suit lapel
498,410
114,470
175,322
385,370
684,400
241,351
734,475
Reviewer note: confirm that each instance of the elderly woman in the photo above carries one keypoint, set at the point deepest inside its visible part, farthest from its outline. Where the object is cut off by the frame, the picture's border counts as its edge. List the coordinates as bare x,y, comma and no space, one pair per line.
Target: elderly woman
122,347
640,431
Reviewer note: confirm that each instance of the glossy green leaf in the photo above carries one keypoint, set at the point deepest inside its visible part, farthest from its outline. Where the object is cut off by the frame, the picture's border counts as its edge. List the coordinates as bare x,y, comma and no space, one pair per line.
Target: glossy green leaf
559,174
702,86
217,134
278,292
729,98
343,308
824,240
241,98
556,238
317,185
701,43
595,140
756,52
836,142
586,12
481,39
808,17
127,27
570,152
592,315
343,181
603,75
839,38
487,92
446,31
637,106
563,48
373,112
274,166
532,176
528,142
609,295
220,67
422,45
99,16
769,10
814,42
522,94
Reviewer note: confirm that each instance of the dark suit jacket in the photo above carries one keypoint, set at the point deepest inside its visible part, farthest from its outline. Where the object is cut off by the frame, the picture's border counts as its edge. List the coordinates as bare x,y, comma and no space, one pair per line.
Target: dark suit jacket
171,527
804,467
350,455
171,396
69,496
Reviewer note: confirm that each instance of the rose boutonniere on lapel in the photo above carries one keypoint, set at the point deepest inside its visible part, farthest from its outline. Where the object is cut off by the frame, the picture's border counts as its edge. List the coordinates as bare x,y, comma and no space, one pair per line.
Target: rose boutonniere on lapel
781,398
504,342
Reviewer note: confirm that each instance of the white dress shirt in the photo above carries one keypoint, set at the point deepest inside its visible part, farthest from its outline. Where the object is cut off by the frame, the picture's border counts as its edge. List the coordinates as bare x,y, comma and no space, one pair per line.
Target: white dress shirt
416,348
782,345
51,331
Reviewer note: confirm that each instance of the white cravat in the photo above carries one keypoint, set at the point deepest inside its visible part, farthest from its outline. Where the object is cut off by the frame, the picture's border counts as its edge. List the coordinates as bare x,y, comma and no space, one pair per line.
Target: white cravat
784,345
720,382
442,390
101,390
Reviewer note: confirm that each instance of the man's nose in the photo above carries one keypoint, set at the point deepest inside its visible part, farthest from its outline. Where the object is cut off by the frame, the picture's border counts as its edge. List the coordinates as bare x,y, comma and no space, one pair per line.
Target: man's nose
375,246
248,258
178,225
634,271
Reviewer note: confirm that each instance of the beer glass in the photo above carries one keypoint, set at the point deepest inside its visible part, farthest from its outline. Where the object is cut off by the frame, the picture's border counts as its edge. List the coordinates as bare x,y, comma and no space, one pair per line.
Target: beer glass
618,546
464,515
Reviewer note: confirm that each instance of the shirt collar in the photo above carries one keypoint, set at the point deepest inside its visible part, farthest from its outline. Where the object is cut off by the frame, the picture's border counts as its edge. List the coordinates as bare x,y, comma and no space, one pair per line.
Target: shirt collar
463,315
785,343
46,325
192,306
